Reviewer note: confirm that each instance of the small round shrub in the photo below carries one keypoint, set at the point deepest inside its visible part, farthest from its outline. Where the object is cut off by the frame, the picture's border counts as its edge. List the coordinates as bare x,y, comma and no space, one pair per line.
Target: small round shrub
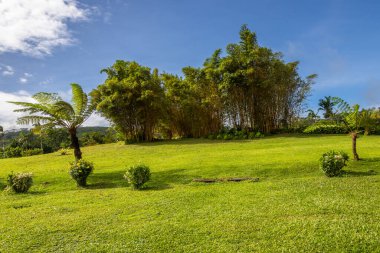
20,182
332,162
64,151
137,175
80,170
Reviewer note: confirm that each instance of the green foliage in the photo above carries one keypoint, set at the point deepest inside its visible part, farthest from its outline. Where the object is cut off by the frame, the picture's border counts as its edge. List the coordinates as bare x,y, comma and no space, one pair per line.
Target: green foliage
332,162
326,129
30,152
80,170
131,98
20,182
64,151
11,152
250,87
137,175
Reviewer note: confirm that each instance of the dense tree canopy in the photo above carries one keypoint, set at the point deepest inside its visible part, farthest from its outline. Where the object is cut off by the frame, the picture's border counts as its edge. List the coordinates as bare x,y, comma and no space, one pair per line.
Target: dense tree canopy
132,98
250,87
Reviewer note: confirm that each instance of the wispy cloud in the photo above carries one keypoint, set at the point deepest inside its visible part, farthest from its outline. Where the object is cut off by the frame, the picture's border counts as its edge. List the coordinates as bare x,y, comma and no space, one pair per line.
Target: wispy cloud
7,70
25,78
35,27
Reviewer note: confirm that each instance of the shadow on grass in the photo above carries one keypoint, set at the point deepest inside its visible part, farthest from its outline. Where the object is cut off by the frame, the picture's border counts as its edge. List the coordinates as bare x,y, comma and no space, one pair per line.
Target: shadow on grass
350,173
159,180
362,167
198,141
107,180
164,179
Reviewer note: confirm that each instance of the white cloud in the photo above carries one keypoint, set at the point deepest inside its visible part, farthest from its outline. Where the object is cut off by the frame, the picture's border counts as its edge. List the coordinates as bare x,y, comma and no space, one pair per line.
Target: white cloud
7,70
23,80
35,27
8,118
28,75
96,120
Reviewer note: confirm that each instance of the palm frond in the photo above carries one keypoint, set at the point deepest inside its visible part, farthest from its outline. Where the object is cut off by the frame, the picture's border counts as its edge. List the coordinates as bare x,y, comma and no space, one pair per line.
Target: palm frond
33,119
79,99
47,98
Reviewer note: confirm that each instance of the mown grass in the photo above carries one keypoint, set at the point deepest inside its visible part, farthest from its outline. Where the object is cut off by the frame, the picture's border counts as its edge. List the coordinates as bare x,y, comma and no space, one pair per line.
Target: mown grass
293,208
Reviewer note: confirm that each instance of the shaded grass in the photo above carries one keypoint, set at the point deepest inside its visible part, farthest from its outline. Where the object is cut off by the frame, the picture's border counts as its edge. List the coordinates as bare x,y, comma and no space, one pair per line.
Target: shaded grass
293,207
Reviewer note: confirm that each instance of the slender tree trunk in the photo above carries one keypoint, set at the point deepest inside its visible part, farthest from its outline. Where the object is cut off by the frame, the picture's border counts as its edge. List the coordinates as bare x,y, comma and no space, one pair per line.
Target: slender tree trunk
75,144
354,136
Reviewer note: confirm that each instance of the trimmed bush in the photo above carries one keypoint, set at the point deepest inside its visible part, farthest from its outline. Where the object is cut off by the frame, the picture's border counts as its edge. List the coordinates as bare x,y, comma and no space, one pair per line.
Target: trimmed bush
326,129
80,170
332,162
20,182
137,175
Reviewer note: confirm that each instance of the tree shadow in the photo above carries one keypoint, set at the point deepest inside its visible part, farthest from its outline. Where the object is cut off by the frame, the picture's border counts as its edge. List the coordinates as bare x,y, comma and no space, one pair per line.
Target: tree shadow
160,180
362,167
351,173
106,180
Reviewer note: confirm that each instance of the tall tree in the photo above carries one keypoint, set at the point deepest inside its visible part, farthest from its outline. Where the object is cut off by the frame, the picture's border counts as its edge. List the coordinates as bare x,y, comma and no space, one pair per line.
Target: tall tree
52,110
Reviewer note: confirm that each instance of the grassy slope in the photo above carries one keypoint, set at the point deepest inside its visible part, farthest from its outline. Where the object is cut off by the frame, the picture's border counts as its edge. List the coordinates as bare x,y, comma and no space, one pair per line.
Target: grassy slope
293,207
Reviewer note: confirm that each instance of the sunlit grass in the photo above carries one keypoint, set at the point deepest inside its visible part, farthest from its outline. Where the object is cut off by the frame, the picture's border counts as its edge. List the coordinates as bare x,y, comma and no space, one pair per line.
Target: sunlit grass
294,207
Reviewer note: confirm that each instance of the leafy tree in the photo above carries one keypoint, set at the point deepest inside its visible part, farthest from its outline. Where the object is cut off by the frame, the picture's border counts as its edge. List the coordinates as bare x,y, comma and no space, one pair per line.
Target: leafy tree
52,110
131,98
327,105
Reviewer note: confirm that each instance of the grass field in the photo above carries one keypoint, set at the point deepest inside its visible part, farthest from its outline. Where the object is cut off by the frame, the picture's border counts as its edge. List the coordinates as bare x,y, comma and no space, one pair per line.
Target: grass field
293,207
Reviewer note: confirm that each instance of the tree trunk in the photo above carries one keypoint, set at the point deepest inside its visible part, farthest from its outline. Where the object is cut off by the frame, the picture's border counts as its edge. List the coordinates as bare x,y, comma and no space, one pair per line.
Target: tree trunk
75,144
354,136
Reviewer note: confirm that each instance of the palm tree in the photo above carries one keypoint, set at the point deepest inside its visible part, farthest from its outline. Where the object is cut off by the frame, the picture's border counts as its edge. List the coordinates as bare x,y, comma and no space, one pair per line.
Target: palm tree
52,110
354,119
327,105
311,115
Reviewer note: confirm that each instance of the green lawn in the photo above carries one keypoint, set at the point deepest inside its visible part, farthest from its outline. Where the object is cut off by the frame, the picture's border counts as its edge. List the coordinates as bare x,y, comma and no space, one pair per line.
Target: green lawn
293,207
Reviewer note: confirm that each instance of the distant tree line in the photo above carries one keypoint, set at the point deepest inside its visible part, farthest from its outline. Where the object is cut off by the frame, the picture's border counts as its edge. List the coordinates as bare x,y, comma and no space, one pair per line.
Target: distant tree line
250,87
26,142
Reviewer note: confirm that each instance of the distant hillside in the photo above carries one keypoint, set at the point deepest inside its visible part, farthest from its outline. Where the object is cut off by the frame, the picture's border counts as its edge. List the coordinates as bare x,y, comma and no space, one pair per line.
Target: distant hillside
82,130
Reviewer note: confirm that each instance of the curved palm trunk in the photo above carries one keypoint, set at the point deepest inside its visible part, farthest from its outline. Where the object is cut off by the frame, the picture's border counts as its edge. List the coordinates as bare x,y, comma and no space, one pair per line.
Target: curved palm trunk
354,136
75,144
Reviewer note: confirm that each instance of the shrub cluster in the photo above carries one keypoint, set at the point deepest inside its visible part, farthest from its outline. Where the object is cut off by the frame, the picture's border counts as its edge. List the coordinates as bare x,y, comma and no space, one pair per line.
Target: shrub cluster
20,182
234,134
30,152
80,170
332,162
326,129
137,175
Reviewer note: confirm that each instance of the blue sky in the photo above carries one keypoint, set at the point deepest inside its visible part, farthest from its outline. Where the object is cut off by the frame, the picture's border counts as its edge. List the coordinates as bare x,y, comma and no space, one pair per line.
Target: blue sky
338,40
